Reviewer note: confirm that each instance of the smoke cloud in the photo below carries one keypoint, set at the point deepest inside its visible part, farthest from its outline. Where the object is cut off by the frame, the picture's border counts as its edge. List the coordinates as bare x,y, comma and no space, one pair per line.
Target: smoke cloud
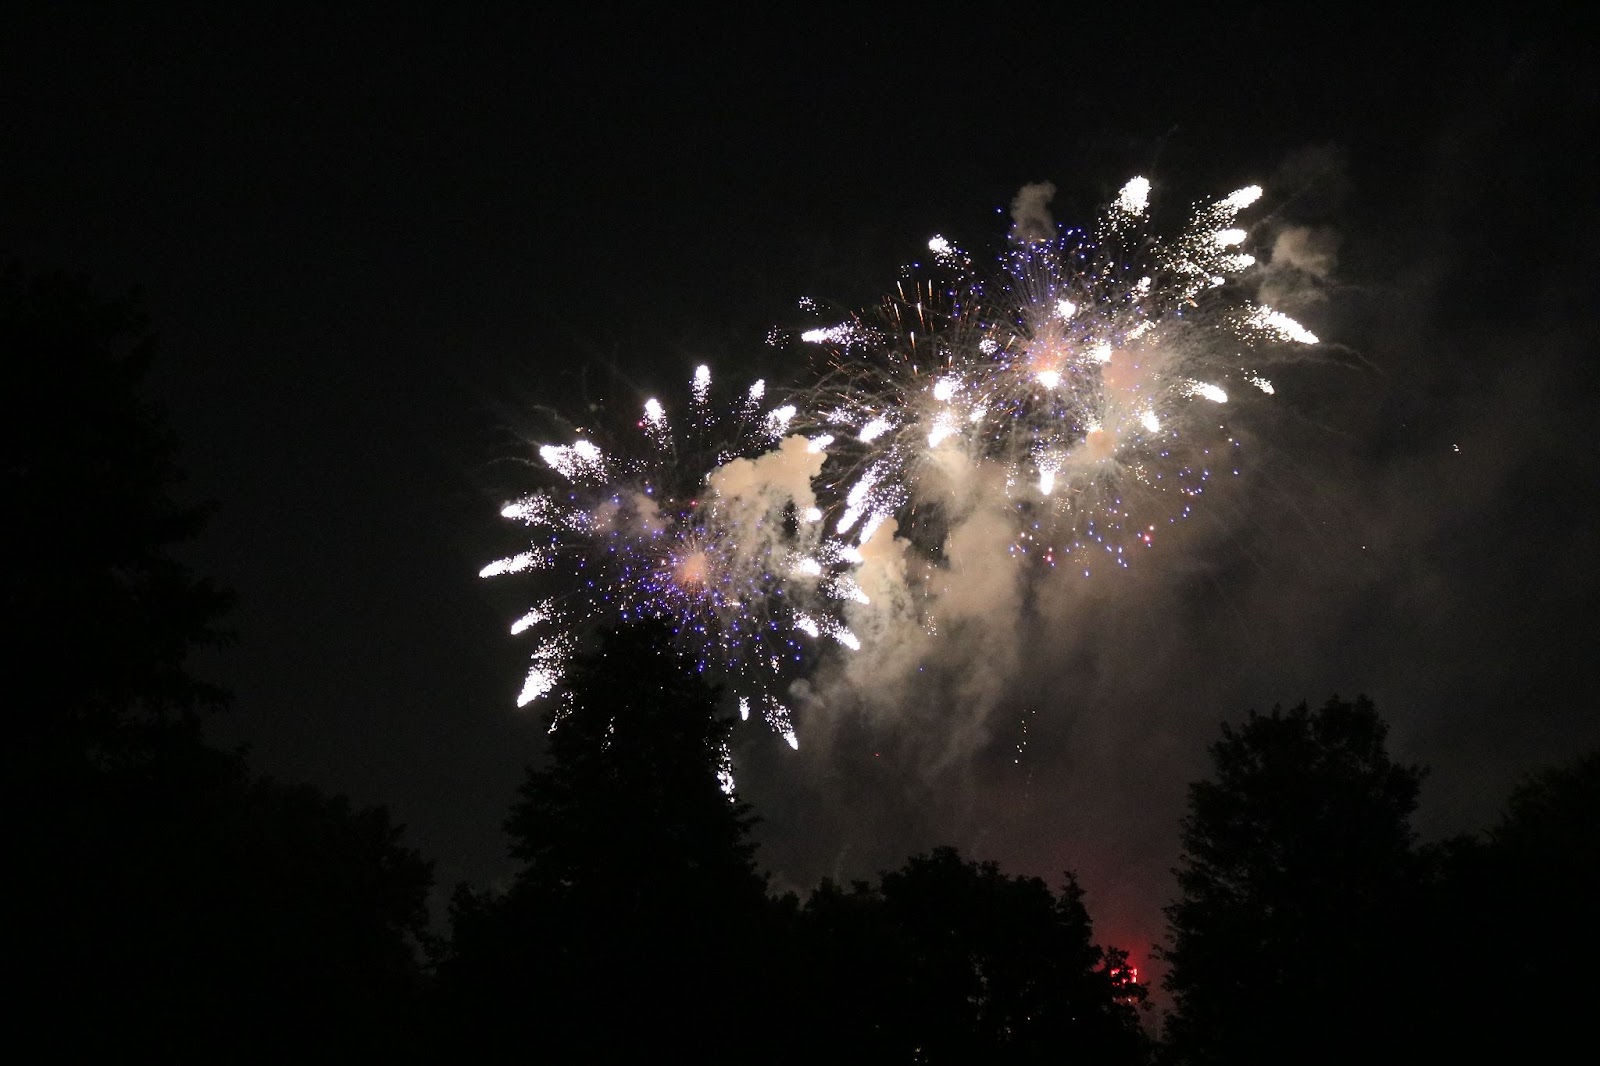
1301,263
1030,213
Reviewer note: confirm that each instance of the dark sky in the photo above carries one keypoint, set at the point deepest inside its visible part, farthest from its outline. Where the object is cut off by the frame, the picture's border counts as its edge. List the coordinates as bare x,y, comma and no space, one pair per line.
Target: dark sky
372,244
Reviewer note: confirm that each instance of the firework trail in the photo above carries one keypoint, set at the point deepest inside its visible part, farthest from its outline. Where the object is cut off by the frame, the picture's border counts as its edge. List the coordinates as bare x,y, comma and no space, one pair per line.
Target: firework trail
707,521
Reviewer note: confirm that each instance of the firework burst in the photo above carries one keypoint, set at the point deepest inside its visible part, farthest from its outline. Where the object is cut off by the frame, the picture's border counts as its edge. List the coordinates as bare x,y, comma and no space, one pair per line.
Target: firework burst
1081,377
1060,404
707,521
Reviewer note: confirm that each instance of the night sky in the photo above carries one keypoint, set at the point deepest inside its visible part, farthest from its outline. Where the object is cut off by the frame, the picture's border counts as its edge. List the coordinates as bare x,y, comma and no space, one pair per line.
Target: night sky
373,245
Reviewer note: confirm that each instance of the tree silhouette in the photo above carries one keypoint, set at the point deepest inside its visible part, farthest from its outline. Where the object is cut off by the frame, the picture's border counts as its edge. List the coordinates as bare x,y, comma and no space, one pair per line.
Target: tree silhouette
219,917
1299,886
163,903
632,924
953,961
1549,836
1512,936
99,613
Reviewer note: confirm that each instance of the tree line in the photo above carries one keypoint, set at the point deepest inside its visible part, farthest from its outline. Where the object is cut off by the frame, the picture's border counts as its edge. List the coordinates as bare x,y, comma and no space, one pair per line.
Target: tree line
165,900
